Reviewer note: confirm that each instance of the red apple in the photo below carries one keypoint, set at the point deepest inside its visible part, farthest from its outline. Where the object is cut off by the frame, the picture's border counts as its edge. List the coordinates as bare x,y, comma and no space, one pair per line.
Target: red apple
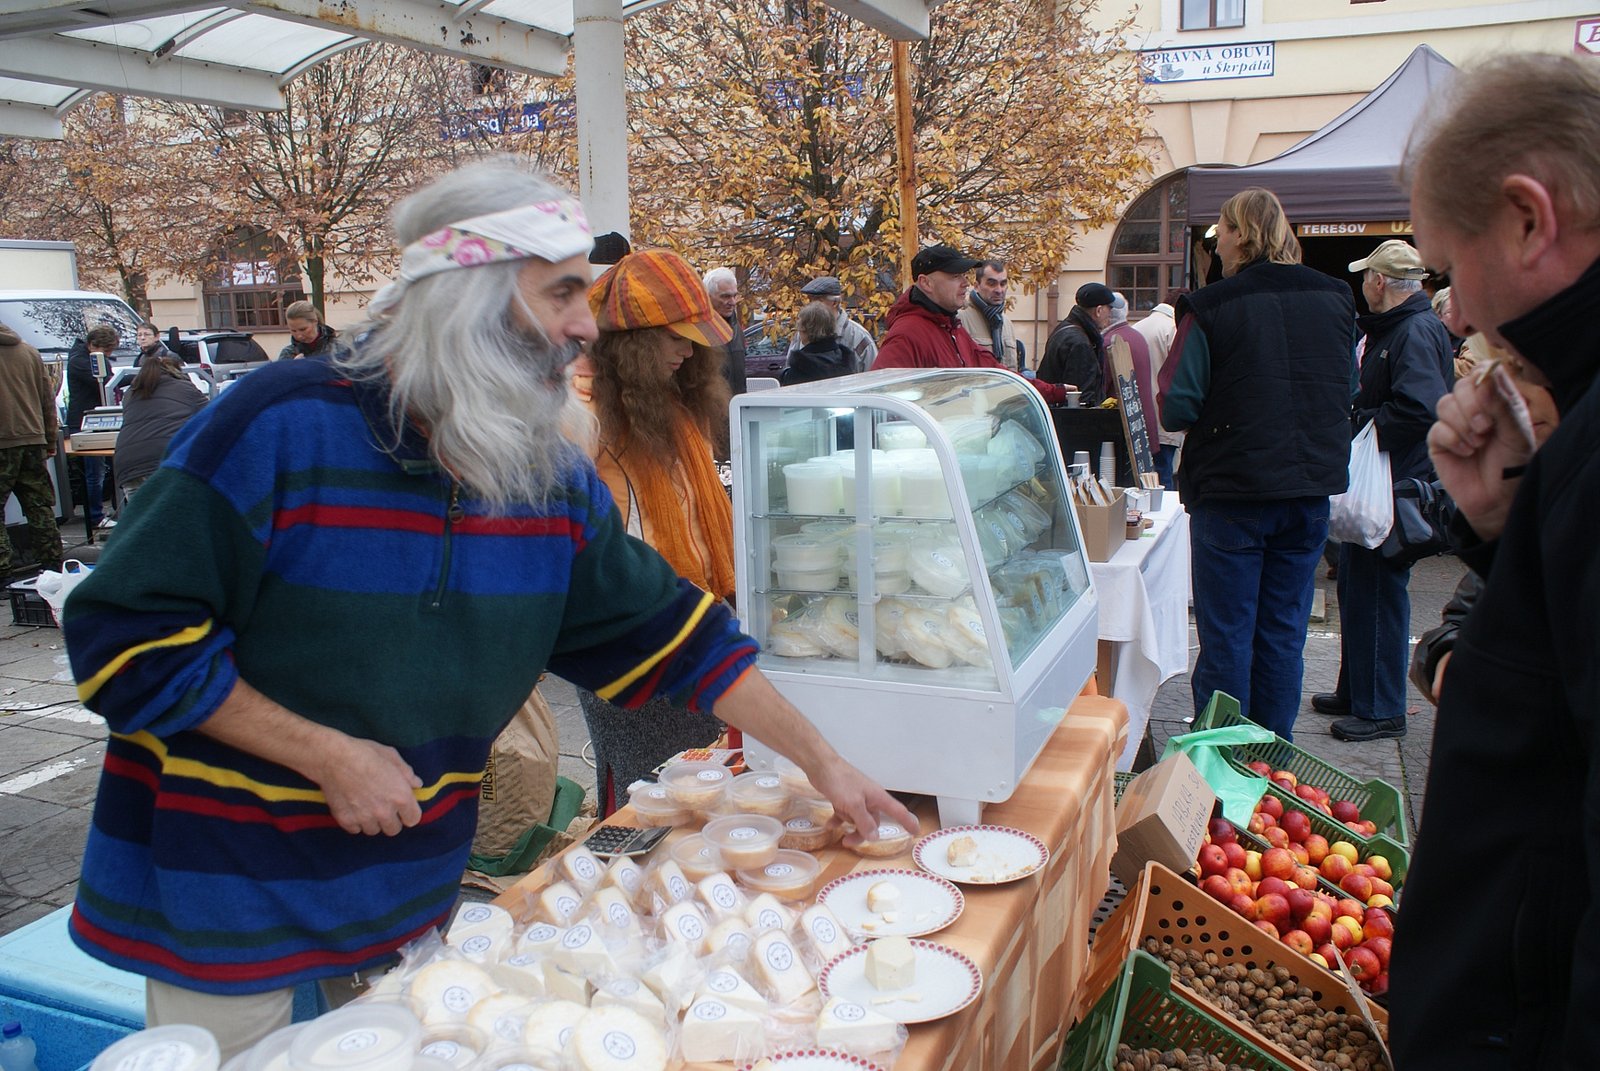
1305,877
1355,827
1222,831
1259,767
1369,828
1363,964
1272,885
1300,902
1258,823
1301,856
1334,868
1379,985
1213,860
1365,868
1383,888
1267,928
1285,775
1273,908
1349,908
1217,886
1243,904
1341,937
1345,811
1306,792
1296,824
1316,849
1278,863
1325,950
1377,924
1380,867
1252,865
1300,941
1239,881
1235,853
1272,805
1277,837
1359,886
1319,927
1381,947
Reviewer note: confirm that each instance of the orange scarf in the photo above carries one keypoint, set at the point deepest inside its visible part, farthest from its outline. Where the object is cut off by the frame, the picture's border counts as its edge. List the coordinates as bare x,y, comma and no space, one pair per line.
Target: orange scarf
672,533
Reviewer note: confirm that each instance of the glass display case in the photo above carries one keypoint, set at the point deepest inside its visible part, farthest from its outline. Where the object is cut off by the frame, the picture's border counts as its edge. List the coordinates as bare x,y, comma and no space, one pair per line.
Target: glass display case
909,560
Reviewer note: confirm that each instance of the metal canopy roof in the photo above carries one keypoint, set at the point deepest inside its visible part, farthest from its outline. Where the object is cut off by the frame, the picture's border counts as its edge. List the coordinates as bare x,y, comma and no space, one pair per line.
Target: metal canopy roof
54,52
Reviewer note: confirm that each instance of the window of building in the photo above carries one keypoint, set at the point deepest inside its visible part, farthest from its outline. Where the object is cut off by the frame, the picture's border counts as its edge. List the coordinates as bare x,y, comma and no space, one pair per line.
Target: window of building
1150,252
255,279
1212,14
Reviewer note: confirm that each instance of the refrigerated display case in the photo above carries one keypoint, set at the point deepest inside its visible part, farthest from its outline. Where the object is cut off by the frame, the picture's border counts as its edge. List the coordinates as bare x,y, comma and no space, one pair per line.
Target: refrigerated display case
909,559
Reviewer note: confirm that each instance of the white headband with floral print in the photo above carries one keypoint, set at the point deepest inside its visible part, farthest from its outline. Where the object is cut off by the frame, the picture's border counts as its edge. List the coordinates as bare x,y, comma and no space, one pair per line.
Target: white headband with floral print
550,230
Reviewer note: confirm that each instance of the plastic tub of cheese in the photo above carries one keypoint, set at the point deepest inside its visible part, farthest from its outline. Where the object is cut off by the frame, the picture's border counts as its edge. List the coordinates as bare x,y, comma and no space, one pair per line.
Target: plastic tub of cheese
760,792
892,839
696,786
802,551
176,1046
696,857
793,777
823,579
803,834
791,875
744,841
653,806
360,1037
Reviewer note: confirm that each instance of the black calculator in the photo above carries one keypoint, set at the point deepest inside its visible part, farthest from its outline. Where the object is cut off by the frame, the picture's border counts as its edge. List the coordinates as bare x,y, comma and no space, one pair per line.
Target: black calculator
609,841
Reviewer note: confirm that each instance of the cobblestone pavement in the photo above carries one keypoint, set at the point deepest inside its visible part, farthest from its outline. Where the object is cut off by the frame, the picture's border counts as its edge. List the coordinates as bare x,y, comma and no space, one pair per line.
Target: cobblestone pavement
50,747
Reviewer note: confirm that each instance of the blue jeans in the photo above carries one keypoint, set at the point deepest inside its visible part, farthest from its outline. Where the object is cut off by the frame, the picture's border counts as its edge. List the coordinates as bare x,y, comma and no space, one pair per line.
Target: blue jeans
1164,455
94,477
1254,567
1374,636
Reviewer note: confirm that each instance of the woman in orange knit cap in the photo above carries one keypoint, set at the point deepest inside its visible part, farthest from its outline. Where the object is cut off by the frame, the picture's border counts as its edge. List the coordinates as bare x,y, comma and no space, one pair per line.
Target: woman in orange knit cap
654,383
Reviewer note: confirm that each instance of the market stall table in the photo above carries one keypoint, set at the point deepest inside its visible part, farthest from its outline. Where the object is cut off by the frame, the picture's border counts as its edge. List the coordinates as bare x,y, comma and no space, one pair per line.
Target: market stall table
1030,938
1144,616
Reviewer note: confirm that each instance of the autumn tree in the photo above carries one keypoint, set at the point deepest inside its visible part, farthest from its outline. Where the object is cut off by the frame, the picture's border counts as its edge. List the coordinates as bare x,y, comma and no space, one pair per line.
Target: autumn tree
763,136
112,186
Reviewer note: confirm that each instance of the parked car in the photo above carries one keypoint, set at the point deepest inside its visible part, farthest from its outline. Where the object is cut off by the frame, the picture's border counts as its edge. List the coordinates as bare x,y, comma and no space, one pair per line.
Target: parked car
764,356
224,355
51,320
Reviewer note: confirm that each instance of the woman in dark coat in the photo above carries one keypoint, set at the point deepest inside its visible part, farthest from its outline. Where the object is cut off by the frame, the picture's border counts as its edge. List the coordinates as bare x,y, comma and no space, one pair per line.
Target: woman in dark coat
822,355
155,406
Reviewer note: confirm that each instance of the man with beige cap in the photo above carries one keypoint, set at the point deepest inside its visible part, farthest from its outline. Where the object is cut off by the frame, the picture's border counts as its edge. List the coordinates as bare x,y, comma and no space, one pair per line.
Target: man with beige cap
1408,367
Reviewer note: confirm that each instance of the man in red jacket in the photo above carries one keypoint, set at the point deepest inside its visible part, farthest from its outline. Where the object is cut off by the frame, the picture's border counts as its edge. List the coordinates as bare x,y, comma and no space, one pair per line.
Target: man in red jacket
923,329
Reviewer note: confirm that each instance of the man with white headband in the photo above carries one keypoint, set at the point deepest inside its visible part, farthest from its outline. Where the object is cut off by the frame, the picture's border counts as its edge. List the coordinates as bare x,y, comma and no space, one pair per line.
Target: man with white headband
381,555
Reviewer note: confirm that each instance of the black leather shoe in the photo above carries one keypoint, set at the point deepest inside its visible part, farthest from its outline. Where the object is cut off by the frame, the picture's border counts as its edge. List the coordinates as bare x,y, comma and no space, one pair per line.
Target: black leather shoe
1368,728
1329,703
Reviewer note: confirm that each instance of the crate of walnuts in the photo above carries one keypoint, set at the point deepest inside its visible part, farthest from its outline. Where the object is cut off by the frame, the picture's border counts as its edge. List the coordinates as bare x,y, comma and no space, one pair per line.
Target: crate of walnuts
1299,1014
1144,1023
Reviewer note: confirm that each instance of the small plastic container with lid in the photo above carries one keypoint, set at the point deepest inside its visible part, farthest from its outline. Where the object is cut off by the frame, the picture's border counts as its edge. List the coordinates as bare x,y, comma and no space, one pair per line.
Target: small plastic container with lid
939,569
802,834
696,857
790,875
744,841
793,777
802,551
171,1048
271,1053
653,806
760,792
359,1037
824,579
883,583
892,839
815,488
697,786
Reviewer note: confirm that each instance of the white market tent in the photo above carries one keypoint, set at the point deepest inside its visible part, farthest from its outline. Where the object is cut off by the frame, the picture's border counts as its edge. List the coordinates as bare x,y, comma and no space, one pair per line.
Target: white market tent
54,53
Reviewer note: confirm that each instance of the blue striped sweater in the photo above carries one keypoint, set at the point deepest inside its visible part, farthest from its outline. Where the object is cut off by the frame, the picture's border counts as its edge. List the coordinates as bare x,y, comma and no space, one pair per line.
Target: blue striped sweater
360,588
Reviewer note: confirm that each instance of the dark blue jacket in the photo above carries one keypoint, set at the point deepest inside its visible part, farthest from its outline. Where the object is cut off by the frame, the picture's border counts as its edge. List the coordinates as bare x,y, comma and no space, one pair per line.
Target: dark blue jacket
1408,366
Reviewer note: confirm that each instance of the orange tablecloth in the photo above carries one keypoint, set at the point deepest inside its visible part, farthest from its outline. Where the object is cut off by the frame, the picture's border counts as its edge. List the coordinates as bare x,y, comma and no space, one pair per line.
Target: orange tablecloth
1030,938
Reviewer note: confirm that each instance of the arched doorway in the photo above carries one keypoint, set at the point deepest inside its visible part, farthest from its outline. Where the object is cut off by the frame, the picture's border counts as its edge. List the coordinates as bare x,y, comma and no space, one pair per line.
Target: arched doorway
1150,250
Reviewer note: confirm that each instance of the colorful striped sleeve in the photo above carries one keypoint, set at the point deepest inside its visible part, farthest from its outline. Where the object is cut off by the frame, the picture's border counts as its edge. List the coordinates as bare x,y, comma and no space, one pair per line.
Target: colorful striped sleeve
633,629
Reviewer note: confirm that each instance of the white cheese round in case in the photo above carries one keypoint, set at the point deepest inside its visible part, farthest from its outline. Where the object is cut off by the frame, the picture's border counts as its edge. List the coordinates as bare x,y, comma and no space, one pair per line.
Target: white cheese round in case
446,990
549,1028
501,1017
922,633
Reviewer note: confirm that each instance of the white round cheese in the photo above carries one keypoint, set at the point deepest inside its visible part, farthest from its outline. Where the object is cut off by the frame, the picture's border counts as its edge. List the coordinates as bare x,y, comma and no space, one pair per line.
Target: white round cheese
549,1028
614,1038
446,990
923,634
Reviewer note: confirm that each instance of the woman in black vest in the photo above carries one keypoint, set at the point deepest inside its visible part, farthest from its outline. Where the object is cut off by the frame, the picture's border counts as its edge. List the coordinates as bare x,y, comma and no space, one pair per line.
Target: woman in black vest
1265,377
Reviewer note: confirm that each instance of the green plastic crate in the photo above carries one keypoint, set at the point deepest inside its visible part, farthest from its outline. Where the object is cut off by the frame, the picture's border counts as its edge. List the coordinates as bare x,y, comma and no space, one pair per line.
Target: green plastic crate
1142,1009
1120,784
1378,800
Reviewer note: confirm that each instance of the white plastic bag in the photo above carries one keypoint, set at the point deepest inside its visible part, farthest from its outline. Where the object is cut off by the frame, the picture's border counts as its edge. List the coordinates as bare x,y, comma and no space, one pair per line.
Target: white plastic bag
1364,514
54,587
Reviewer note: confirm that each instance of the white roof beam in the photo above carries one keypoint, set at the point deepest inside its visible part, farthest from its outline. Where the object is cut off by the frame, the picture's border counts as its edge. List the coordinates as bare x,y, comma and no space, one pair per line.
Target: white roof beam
900,20
127,70
25,121
20,17
428,25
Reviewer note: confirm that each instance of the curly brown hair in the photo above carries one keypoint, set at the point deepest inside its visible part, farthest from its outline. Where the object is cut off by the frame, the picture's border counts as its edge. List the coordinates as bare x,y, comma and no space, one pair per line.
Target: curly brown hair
631,381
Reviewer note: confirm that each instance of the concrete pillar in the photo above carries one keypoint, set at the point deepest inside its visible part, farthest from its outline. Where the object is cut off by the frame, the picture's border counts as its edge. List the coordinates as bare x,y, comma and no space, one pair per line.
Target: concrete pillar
602,114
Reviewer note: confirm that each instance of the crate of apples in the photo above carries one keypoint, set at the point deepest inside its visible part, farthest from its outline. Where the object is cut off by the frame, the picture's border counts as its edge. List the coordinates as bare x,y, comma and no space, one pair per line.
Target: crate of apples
1313,908
1344,812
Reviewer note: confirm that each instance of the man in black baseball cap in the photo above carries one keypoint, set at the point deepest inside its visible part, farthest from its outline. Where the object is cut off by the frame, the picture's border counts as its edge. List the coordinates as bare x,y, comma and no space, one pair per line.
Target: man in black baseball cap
923,329
1075,353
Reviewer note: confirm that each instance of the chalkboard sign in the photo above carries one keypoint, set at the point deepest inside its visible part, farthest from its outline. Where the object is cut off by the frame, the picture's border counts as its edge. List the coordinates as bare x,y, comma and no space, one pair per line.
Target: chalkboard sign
1135,433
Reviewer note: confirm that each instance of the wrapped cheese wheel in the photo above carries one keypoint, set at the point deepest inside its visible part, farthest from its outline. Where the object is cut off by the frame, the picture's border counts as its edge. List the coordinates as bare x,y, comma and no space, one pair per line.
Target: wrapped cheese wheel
923,632
939,568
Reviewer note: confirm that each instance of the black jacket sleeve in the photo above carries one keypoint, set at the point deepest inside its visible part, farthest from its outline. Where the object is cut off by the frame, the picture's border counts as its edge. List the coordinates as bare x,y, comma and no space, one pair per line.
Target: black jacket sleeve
1069,357
1434,644
83,390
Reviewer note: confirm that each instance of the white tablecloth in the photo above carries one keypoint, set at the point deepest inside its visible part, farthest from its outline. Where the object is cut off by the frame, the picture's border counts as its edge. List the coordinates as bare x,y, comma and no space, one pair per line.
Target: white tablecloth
1144,613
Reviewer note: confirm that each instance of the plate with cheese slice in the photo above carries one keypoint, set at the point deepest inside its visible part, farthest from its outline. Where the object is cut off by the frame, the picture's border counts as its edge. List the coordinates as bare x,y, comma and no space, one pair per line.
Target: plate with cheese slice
812,1060
902,979
892,903
980,855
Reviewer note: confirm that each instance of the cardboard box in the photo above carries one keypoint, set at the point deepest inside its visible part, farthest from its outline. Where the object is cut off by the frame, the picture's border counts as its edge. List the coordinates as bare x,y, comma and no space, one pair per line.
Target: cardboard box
1104,527
1161,819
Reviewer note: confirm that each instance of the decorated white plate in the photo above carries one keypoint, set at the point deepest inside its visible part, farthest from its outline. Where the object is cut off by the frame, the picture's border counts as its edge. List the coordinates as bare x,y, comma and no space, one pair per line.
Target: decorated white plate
946,981
813,1060
1003,854
927,903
